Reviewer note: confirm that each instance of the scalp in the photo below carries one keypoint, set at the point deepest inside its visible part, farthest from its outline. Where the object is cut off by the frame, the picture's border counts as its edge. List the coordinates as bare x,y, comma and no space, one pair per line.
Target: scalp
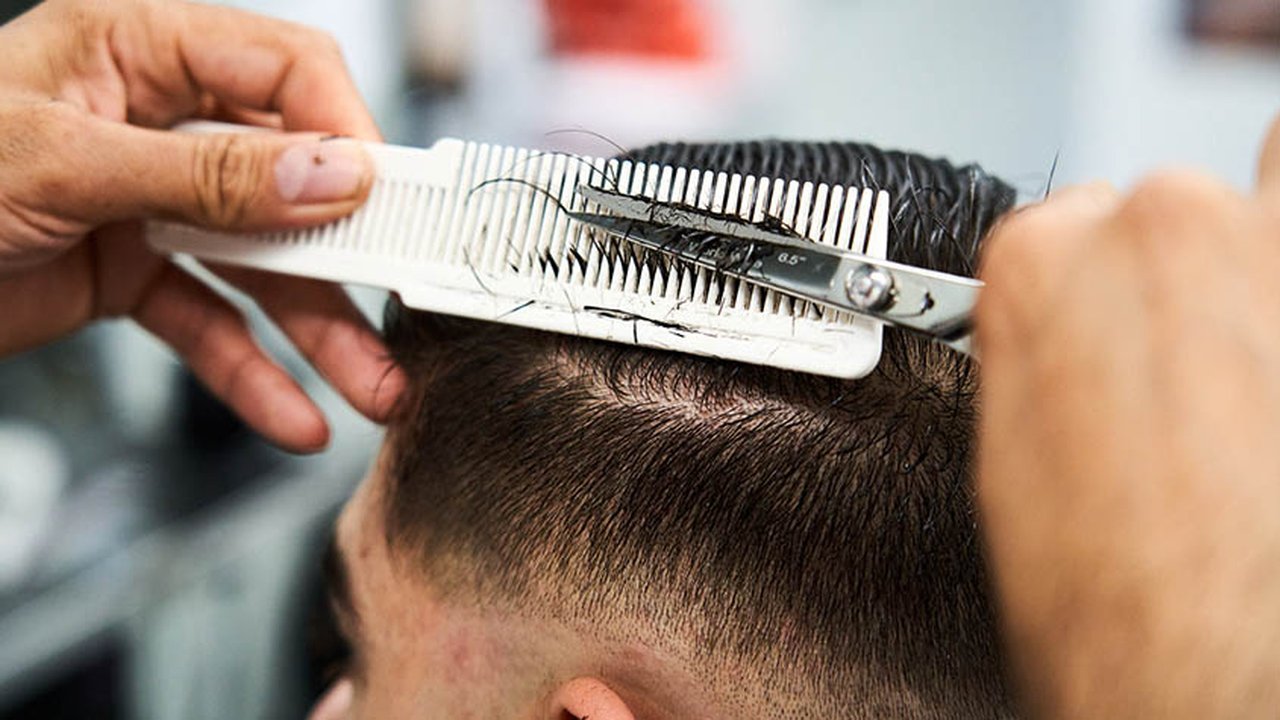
820,532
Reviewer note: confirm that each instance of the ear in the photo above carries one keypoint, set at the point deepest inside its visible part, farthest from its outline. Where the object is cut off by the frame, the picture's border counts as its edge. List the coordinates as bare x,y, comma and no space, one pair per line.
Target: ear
588,699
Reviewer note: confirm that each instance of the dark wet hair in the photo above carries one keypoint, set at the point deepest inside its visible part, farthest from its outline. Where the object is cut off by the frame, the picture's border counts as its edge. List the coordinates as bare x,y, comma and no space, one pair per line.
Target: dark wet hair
822,531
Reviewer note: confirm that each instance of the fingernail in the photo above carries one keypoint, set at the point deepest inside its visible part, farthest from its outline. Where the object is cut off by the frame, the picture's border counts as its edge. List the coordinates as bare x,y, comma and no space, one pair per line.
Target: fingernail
320,172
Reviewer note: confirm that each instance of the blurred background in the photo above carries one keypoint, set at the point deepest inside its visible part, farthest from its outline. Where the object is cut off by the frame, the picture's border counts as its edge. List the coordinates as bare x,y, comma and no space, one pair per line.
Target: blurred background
157,561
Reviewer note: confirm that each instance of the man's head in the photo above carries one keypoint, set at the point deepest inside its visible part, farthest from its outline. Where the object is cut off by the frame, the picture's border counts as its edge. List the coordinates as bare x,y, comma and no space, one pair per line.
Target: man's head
564,528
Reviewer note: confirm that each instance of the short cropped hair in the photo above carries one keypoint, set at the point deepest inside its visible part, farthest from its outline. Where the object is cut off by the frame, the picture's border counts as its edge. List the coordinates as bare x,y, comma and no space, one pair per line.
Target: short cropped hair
819,531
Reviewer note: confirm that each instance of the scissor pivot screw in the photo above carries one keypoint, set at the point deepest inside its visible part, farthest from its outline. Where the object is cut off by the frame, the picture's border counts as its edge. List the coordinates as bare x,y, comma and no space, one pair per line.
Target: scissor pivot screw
870,288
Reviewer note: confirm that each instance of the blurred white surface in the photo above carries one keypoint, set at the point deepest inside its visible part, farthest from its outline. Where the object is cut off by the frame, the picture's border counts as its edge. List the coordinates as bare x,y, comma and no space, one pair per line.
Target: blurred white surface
974,81
1142,96
370,34
1115,88
33,474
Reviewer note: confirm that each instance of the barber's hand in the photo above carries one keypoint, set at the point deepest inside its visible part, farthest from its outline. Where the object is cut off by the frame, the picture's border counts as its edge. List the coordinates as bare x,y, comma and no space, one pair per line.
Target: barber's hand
84,87
1129,474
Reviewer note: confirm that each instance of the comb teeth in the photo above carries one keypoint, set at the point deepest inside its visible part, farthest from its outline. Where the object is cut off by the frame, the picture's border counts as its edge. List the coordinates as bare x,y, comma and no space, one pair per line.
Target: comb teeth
477,230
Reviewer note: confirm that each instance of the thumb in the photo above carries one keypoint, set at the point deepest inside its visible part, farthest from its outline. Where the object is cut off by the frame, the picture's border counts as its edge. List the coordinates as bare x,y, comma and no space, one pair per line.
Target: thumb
237,181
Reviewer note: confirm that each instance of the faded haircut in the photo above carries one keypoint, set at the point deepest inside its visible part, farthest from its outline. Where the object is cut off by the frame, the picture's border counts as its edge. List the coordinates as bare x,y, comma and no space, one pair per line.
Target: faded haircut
820,531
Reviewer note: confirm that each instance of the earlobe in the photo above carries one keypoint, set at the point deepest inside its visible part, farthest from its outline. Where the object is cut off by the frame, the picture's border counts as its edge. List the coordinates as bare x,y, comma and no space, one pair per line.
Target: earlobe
588,699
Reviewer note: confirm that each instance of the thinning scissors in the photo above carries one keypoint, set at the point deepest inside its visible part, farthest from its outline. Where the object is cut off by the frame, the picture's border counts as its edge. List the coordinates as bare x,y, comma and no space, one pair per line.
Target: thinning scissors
935,304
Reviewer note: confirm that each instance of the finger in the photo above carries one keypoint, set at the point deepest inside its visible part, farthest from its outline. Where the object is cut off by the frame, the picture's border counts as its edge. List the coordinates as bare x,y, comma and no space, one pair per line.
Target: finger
331,332
45,303
177,51
1049,228
1023,260
105,171
214,341
1269,165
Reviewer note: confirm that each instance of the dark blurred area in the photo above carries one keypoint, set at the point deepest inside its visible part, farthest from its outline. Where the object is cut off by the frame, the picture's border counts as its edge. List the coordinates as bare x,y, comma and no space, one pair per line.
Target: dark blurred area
1247,22
159,561
10,9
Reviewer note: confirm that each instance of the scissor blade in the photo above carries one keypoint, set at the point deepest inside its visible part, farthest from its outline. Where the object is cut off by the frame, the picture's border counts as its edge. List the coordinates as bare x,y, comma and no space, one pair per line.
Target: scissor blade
925,301
658,213
811,273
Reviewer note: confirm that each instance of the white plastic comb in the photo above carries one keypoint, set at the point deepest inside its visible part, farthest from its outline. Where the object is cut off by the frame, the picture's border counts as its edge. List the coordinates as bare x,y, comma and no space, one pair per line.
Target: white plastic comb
474,230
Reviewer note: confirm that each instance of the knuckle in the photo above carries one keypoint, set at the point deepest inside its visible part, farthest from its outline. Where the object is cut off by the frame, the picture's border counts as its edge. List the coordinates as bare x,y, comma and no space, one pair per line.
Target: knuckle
21,134
70,5
225,179
54,123
1170,210
88,13
307,41
1164,195
326,42
43,133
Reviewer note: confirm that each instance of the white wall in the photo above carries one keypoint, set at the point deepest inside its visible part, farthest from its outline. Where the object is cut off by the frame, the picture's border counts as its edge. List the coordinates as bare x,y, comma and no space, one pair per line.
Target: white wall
1114,85
369,31
1143,97
980,80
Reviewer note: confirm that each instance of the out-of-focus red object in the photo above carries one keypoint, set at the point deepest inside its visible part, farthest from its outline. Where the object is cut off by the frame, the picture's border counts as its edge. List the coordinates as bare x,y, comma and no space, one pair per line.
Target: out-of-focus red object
660,29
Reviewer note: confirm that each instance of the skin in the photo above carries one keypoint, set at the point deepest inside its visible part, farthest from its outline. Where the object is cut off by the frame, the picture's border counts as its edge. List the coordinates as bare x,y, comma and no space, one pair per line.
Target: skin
1129,472
420,655
83,88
